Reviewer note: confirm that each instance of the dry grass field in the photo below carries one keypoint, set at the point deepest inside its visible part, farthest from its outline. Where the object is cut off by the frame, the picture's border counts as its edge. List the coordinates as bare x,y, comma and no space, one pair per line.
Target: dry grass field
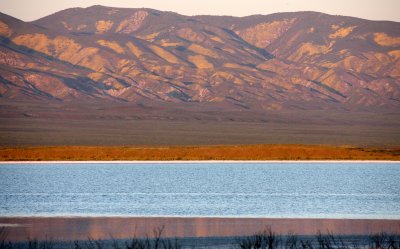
117,131
225,152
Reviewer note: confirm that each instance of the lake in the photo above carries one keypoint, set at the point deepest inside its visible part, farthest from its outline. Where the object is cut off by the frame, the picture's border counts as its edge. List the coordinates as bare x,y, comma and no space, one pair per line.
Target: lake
284,190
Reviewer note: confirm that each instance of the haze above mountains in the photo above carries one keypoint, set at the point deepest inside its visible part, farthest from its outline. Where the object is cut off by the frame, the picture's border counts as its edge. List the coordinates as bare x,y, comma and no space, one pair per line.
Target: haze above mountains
146,64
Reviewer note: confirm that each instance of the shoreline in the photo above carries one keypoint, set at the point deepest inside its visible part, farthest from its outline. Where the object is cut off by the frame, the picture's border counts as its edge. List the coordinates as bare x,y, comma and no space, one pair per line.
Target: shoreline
79,228
59,216
196,161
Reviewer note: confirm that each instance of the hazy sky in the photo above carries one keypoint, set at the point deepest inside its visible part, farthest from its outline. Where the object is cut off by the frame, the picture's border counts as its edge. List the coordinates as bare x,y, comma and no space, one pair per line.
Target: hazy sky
29,10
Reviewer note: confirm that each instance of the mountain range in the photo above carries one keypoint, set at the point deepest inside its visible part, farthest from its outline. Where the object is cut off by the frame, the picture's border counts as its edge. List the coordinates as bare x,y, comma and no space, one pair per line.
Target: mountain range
148,63
284,60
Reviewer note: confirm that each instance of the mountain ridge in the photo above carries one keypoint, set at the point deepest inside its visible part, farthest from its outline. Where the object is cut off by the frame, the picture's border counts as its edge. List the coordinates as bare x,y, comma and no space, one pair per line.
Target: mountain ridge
258,62
207,15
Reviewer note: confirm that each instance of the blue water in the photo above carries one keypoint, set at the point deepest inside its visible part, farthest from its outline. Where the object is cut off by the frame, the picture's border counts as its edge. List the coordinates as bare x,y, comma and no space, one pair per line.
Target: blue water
320,190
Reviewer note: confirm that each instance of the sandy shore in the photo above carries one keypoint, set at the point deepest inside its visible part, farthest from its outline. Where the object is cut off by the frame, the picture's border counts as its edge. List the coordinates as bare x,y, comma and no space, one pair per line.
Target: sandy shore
79,228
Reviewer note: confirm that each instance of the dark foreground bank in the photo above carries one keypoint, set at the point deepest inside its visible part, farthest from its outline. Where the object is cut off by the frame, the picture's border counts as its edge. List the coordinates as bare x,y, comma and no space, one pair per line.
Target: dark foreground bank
262,240
79,228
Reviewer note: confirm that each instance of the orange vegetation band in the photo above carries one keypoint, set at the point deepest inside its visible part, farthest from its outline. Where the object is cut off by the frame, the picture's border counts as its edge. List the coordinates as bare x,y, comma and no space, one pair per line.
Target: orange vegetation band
225,152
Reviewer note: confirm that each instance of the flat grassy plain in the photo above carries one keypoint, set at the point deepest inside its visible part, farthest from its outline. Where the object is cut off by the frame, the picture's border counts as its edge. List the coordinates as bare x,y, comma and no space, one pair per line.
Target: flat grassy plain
223,152
118,131
118,124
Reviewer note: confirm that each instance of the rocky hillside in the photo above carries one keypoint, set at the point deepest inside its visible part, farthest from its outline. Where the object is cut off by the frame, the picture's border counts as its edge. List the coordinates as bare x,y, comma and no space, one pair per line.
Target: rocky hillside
302,60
